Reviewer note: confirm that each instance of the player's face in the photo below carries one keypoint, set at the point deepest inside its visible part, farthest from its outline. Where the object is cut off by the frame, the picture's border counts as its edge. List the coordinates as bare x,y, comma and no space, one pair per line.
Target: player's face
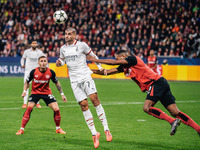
69,36
34,44
42,63
151,53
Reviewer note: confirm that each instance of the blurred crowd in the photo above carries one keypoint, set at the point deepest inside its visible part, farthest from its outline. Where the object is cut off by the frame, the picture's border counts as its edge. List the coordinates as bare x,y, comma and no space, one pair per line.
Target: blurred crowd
169,27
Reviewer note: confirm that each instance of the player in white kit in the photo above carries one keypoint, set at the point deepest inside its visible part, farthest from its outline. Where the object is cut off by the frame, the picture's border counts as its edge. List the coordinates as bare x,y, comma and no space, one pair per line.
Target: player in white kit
74,54
29,61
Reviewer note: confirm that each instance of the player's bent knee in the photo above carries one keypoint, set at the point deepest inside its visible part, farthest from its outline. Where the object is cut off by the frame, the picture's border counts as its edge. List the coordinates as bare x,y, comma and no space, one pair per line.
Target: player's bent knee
174,113
84,108
146,109
84,105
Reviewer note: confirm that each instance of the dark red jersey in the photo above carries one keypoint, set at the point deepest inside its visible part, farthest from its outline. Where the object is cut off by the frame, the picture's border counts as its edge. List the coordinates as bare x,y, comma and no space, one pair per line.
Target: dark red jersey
139,72
152,61
40,84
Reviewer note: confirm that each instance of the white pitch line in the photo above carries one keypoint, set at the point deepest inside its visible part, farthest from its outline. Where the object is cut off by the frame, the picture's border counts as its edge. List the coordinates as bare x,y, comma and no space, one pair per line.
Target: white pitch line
108,104
141,120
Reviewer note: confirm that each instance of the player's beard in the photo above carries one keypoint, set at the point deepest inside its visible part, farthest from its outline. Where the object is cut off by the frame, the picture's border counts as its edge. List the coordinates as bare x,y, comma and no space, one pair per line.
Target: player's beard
34,48
69,41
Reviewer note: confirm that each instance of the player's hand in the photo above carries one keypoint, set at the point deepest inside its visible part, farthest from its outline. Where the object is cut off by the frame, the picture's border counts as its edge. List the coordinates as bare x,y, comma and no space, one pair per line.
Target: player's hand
23,94
105,72
23,66
58,63
64,98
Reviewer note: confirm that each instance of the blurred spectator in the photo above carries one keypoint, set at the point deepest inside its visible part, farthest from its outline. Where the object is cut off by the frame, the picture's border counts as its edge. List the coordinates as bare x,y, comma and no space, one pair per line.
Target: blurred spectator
152,61
170,27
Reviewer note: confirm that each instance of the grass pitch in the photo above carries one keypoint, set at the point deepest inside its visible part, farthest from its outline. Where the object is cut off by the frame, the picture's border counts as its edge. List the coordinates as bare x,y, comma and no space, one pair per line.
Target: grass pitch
122,101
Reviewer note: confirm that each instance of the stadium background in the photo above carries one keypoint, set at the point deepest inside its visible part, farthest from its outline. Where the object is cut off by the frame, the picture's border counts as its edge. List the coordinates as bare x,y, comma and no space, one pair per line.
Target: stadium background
169,27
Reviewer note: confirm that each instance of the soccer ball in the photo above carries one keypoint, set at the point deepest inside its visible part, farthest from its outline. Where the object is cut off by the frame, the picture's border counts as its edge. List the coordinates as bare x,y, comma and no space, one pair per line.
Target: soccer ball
60,16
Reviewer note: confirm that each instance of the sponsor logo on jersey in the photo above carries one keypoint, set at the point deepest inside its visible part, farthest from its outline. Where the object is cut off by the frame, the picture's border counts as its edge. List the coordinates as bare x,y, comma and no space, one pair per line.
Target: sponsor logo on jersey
71,57
36,76
47,76
41,81
33,59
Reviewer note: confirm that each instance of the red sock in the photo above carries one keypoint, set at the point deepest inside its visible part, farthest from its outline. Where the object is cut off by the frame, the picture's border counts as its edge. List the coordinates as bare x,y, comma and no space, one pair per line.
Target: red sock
160,114
26,117
57,118
188,121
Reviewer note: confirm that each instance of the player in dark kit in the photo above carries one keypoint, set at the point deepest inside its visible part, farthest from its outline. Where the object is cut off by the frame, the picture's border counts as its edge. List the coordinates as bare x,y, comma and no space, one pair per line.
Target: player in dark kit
40,90
155,85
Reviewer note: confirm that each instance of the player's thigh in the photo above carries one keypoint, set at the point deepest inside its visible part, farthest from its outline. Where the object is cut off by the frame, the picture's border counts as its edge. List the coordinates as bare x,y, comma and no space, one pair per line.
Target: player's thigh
31,104
48,99
79,92
54,106
147,104
34,98
168,101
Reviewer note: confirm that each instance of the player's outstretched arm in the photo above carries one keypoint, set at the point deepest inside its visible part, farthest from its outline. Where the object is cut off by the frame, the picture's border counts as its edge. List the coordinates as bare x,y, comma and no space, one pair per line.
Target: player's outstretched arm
91,54
59,87
106,72
26,86
108,61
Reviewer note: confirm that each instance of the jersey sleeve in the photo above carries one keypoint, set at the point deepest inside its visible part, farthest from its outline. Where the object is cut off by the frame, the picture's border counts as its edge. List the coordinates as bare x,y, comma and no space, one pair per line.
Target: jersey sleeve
24,54
86,49
61,53
53,77
132,61
30,76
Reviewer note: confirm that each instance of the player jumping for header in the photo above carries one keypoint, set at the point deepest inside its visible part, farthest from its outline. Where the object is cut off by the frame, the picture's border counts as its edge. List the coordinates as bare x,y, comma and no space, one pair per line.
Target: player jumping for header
74,53
40,90
148,81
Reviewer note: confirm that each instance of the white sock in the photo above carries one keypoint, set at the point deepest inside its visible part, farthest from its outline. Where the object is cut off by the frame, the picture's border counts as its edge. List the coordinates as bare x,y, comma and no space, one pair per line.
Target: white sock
26,96
102,116
22,128
57,127
89,120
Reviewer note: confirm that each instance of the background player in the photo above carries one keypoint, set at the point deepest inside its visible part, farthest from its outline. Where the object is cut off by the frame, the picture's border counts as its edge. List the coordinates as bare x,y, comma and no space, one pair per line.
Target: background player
148,81
152,61
31,56
40,90
74,54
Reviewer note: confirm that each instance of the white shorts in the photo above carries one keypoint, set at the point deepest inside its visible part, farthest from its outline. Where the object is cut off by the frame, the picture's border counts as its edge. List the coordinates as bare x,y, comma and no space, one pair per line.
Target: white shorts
83,89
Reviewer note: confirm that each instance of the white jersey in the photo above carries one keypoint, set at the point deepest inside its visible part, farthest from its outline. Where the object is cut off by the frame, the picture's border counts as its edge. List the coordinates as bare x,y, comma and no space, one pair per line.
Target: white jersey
31,57
75,58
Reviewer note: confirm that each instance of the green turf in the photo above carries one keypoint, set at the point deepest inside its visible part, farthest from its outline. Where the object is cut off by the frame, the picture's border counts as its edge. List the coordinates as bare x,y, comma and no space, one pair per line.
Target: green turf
123,115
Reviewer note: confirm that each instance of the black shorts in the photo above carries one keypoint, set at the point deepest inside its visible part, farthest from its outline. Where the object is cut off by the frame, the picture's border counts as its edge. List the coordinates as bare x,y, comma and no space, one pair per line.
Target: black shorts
160,90
47,98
